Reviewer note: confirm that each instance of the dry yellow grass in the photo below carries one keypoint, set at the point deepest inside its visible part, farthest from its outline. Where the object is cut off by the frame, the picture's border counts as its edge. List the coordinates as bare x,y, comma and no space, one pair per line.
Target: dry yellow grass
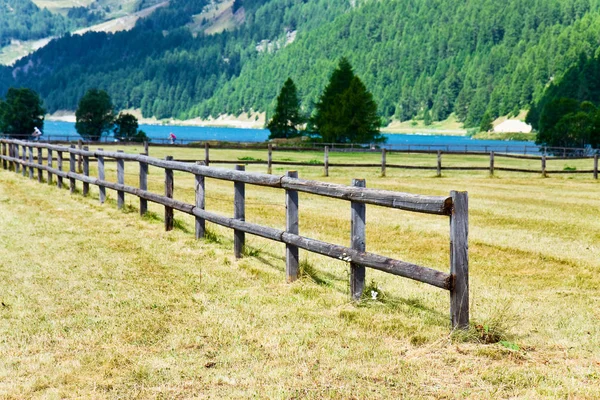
98,303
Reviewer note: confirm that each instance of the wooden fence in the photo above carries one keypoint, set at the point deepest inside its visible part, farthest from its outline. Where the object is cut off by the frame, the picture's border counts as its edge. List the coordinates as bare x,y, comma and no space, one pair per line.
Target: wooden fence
384,164
18,156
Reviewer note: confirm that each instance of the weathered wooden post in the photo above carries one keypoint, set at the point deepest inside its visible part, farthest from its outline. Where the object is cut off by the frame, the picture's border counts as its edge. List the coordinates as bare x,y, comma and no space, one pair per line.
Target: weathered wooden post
200,203
459,260
326,160
143,185
72,162
544,165
120,181
491,163
4,162
357,242
270,160
40,162
24,159
595,166
86,172
169,186
101,177
11,153
292,260
439,163
239,212
59,166
50,163
146,148
79,158
206,154
30,159
383,161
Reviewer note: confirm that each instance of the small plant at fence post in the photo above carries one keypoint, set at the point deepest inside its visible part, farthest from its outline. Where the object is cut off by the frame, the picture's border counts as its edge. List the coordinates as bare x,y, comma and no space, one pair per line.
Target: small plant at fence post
40,162
357,242
206,154
200,203
326,161
101,177
239,213
439,163
59,165
270,159
292,260
491,163
169,187
120,181
144,182
383,161
86,172
30,160
459,260
50,161
72,170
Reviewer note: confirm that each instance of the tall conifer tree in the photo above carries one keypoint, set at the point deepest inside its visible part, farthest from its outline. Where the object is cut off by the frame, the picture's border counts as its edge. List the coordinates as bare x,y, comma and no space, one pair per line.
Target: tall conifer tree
287,116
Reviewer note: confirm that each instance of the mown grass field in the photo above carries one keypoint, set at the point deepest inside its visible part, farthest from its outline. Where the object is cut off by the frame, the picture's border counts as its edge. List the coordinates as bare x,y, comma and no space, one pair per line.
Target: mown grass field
100,303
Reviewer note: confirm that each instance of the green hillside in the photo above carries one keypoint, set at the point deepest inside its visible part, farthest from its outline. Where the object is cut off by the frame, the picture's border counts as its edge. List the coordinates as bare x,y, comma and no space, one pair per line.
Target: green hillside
23,20
444,56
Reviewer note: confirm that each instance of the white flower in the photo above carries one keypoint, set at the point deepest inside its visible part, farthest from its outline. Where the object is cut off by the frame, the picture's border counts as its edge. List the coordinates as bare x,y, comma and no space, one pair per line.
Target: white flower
374,295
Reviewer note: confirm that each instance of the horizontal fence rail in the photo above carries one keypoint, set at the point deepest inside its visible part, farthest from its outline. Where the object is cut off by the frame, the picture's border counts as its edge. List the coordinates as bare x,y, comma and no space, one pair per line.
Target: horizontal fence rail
501,147
454,206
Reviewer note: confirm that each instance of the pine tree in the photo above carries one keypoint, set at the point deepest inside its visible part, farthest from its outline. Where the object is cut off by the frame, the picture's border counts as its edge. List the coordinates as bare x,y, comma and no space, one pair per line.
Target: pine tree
95,114
287,116
346,111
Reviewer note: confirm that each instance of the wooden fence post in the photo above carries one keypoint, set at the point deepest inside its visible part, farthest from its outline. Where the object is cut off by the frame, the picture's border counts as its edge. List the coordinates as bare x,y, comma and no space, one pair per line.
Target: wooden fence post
459,260
86,172
79,158
50,162
143,184
11,152
544,165
30,159
200,203
169,186
101,176
326,161
24,158
72,161
120,181
40,163
59,166
491,163
383,161
292,260
439,163
239,212
146,148
595,166
270,160
206,154
4,162
357,242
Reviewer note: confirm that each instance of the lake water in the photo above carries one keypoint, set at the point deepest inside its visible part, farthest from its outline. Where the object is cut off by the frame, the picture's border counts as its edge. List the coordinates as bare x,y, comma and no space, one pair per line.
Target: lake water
55,130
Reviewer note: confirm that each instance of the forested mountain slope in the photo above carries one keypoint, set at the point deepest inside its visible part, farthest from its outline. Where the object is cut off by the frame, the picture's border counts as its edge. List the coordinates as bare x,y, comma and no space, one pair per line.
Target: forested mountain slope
414,55
23,20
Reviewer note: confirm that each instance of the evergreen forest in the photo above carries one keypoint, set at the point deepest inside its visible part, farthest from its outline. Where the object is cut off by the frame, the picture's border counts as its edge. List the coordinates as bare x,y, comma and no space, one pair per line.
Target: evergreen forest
419,58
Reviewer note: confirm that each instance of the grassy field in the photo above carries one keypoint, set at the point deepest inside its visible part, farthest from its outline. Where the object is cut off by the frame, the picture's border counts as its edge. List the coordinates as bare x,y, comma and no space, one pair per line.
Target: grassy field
100,303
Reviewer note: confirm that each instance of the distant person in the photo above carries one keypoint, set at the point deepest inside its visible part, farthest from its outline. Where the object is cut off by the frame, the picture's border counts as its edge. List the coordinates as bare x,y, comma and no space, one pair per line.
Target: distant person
172,138
36,134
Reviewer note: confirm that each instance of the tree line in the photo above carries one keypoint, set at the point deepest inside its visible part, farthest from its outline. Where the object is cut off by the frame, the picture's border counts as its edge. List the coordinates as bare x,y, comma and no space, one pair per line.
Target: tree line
22,114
